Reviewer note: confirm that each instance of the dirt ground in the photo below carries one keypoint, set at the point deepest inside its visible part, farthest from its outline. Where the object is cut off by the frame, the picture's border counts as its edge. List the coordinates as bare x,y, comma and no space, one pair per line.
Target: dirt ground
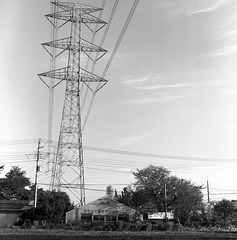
19,234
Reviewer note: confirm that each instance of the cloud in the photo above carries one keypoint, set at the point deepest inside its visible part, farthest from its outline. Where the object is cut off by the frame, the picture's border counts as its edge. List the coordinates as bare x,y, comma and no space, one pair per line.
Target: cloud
151,90
220,52
228,34
151,82
162,98
180,8
165,86
133,139
147,78
206,6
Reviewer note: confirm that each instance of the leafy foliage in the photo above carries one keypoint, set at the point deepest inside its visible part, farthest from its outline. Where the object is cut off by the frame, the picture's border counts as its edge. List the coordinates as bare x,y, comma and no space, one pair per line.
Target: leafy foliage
109,191
225,210
155,187
13,186
52,206
133,198
152,180
189,200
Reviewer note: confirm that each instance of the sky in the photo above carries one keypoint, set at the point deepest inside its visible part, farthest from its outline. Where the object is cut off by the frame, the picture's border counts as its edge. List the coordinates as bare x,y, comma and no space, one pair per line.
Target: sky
171,91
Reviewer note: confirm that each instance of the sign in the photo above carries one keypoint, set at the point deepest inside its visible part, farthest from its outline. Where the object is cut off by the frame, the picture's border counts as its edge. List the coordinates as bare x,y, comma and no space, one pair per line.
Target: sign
160,215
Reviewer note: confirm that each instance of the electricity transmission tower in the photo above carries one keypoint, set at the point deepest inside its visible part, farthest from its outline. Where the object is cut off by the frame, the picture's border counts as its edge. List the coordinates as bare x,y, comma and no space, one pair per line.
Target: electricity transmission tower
68,168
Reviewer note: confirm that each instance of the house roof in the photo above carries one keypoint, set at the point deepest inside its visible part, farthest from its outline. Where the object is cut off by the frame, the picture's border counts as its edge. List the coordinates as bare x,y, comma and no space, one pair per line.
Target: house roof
12,205
107,204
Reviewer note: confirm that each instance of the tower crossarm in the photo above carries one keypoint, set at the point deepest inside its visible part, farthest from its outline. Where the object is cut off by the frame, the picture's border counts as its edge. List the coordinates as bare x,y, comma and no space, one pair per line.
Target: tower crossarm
71,5
90,77
69,17
65,44
60,73
64,74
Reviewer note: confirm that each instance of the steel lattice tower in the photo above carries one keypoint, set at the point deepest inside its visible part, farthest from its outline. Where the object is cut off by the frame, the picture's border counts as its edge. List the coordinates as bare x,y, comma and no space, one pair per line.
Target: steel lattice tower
68,168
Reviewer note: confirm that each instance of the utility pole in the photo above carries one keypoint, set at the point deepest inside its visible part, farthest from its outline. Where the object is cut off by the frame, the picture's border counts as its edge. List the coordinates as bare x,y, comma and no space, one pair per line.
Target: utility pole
165,203
36,172
208,192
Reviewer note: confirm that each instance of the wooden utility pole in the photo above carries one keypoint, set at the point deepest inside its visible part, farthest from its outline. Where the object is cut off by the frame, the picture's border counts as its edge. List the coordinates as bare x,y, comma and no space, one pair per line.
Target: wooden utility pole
165,201
208,192
36,172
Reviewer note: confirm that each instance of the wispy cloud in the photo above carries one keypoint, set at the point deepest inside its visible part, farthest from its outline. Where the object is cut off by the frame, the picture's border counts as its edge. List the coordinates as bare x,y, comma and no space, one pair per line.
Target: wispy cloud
180,8
228,34
165,86
133,139
129,80
183,85
220,52
206,6
162,98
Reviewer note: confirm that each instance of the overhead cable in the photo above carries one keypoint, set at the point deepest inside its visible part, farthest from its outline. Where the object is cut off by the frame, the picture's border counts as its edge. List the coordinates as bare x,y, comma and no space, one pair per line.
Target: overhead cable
111,58
154,155
101,44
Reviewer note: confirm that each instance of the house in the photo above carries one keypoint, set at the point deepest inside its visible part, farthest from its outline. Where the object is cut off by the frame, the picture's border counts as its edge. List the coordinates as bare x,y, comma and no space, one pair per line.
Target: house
11,210
103,209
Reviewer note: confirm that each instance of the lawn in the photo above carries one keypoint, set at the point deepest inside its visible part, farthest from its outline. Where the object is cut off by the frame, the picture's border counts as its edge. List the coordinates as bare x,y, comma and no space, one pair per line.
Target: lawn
19,234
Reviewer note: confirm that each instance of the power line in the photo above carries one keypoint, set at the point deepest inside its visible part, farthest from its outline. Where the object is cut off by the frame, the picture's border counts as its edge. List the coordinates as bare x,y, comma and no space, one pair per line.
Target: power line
133,165
101,44
111,58
107,170
154,155
17,142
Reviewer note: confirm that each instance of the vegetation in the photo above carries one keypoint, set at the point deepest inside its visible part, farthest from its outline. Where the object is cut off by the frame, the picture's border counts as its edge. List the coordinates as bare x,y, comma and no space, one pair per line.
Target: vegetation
13,186
51,205
224,213
109,191
155,188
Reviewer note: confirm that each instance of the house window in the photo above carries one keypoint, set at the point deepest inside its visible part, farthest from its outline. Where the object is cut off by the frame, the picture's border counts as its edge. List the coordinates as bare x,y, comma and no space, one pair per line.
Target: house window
110,218
99,218
123,217
86,217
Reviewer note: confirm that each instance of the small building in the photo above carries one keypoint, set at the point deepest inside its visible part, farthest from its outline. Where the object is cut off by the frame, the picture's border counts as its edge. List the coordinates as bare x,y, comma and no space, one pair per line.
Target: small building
160,215
103,209
11,210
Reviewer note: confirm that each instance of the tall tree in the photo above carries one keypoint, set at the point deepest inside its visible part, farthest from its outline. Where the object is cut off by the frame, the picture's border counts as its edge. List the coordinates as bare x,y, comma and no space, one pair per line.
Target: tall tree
225,210
161,188
188,200
109,191
136,199
52,206
13,186
152,180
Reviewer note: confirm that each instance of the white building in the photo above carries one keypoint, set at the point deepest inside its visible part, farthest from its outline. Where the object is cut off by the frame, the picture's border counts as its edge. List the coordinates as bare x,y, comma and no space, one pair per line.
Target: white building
102,210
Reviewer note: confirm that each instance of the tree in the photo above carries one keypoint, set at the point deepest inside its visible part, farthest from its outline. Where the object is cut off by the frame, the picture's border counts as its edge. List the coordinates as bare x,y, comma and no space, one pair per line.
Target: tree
109,191
225,210
189,200
152,180
13,186
52,206
132,198
161,188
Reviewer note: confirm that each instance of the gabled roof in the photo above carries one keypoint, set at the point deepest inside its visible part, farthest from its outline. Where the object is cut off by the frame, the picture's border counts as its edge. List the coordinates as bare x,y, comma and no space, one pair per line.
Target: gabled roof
101,203
12,205
107,204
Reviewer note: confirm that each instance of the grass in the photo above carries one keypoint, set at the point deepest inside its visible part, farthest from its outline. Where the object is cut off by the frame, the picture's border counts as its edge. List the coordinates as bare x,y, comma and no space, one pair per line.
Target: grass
40,234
